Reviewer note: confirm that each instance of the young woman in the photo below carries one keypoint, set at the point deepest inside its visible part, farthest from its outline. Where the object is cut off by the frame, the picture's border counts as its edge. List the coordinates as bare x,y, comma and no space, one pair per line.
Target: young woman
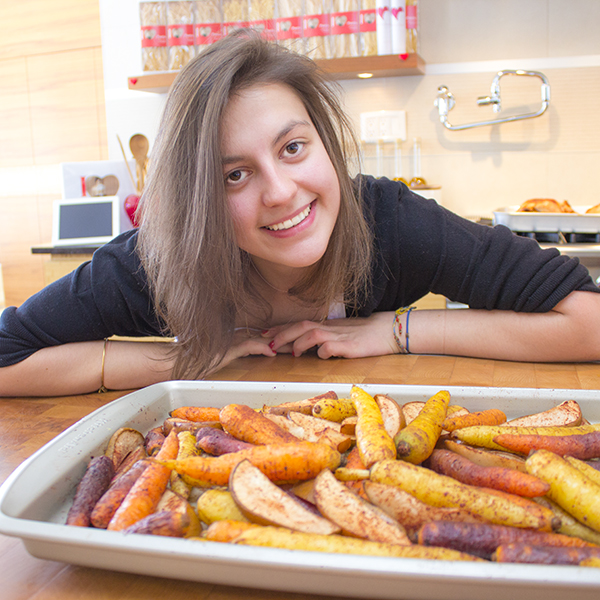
256,240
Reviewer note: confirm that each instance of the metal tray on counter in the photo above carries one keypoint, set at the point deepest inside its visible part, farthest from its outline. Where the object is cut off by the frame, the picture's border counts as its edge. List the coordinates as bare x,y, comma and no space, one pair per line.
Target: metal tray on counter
35,499
577,222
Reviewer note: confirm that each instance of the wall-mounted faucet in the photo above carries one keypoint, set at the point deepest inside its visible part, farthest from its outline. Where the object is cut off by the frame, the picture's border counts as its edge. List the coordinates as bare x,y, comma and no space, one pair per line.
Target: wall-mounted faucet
445,101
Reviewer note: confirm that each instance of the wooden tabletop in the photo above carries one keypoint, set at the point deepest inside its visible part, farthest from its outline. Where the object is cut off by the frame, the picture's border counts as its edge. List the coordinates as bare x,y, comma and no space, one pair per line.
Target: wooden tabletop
26,424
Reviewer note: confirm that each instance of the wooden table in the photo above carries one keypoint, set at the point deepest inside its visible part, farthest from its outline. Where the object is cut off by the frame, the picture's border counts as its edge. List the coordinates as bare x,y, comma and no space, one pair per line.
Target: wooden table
26,424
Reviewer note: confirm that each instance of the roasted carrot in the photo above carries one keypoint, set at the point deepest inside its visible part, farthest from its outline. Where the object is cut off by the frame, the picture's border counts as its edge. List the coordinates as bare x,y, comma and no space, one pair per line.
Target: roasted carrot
417,440
187,447
108,504
482,539
146,492
227,530
154,440
373,441
547,555
251,426
196,413
500,478
290,462
483,435
492,416
94,483
217,442
166,522
584,446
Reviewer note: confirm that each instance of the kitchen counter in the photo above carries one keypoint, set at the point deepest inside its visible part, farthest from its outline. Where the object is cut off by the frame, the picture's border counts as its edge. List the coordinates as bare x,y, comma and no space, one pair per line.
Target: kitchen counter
26,424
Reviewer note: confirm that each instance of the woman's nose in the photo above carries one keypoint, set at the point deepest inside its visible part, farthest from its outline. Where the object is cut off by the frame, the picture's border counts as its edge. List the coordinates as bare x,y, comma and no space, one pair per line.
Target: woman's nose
279,186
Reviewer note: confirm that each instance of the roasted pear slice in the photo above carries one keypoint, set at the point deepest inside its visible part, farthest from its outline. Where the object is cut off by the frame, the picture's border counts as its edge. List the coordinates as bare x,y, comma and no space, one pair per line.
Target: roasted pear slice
122,442
355,516
566,414
393,417
262,502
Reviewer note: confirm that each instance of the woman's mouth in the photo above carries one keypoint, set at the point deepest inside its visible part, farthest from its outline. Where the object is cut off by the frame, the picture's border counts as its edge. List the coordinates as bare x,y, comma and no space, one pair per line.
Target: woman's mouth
289,223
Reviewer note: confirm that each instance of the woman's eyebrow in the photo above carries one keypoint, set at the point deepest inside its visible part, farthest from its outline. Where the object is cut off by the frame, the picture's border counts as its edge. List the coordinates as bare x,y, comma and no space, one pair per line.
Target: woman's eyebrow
226,160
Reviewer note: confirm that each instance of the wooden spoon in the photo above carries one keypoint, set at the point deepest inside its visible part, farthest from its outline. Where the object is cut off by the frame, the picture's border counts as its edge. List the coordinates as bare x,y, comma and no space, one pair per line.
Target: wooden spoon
139,146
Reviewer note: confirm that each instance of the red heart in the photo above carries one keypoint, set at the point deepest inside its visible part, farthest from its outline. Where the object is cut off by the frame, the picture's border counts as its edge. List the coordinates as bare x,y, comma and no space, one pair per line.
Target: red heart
133,80
404,56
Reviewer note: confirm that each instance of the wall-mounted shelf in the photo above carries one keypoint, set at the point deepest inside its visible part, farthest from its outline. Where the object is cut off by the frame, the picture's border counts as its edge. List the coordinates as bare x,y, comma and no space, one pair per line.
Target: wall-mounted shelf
390,65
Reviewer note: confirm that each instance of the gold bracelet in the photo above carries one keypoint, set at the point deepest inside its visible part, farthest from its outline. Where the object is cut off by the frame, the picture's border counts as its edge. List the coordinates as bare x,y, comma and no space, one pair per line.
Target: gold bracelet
102,386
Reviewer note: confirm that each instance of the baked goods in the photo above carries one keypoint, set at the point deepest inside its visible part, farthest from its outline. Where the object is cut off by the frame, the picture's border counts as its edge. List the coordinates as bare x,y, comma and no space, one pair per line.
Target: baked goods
593,210
545,205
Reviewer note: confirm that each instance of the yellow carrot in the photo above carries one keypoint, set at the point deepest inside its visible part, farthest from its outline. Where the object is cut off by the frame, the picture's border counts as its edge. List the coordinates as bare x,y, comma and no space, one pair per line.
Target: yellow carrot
373,441
417,440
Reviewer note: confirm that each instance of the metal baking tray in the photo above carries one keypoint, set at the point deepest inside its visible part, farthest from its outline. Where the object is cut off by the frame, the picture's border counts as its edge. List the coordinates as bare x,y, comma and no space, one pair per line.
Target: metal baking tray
577,222
35,499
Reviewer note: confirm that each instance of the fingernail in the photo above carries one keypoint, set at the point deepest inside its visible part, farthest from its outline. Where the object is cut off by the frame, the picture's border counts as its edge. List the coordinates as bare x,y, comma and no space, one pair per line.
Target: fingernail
293,353
264,331
271,344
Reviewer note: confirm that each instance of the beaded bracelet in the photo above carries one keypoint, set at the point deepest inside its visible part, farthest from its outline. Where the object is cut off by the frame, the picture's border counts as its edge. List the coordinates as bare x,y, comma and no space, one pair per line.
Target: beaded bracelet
406,332
102,386
397,328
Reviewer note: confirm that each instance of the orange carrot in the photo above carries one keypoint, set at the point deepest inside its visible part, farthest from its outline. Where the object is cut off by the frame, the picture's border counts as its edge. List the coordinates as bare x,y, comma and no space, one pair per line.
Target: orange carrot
492,416
196,413
499,478
227,530
145,494
482,539
251,426
353,461
290,462
584,446
108,504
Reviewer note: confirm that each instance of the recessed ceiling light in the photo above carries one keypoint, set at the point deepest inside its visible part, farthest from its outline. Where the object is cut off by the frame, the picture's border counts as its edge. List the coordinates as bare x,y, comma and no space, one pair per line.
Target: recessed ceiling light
365,75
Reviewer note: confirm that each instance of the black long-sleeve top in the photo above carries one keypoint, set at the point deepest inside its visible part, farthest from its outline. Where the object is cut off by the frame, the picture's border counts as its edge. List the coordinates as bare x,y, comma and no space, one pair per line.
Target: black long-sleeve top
420,248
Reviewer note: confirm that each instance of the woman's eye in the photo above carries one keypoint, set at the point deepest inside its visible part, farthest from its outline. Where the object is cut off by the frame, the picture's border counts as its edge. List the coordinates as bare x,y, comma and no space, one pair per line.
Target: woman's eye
235,176
293,148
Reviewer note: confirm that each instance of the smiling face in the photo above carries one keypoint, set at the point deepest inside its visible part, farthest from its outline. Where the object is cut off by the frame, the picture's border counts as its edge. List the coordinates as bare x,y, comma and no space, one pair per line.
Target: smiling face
282,189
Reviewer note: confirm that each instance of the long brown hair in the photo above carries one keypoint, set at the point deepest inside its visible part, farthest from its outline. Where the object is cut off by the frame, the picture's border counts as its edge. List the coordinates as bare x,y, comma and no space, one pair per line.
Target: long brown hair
198,276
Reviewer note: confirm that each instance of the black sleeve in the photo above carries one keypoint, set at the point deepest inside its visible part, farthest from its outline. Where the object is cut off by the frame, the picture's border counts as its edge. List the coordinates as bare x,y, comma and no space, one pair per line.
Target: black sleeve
422,247
106,296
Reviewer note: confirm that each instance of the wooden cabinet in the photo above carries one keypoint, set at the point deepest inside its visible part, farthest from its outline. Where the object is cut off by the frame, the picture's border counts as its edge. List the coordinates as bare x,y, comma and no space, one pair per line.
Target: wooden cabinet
339,68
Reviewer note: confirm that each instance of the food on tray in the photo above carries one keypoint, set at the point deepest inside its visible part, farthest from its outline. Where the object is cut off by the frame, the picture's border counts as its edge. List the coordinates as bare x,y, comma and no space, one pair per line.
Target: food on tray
367,483
593,210
545,205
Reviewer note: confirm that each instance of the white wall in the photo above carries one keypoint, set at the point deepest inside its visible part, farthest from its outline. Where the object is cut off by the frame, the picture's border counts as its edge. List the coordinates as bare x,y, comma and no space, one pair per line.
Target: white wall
464,43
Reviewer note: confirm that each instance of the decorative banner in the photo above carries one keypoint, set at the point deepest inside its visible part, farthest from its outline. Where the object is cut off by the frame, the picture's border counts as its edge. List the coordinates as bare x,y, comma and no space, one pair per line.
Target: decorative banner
154,36
207,33
180,35
289,28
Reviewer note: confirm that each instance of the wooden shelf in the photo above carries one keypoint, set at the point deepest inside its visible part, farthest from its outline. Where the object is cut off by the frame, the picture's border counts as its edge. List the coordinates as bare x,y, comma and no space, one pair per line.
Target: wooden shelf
390,65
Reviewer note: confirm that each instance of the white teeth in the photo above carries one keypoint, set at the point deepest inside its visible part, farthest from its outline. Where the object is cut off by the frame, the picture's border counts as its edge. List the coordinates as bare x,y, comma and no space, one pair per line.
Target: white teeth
290,222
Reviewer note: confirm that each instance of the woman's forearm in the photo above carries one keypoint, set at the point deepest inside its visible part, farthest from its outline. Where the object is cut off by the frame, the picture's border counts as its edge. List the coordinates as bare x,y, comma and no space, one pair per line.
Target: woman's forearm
570,332
77,368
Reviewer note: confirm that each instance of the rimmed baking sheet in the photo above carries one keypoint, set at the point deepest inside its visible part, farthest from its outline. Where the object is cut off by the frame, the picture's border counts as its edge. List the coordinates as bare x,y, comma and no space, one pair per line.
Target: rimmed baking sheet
35,499
548,222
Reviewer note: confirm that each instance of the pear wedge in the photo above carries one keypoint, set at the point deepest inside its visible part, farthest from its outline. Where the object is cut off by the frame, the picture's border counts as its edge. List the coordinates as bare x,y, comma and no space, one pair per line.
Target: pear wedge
393,417
566,414
123,442
355,516
262,502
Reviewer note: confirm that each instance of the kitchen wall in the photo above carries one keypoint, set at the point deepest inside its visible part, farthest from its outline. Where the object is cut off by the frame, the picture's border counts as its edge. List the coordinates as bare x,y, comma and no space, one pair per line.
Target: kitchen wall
464,43
52,109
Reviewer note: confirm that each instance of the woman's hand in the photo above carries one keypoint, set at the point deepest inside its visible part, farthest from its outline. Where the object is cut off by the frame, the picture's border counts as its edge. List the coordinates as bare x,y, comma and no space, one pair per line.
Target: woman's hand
245,343
348,338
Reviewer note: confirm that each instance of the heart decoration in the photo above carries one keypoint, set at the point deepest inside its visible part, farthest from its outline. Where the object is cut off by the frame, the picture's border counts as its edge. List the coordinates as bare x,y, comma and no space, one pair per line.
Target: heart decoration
101,186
